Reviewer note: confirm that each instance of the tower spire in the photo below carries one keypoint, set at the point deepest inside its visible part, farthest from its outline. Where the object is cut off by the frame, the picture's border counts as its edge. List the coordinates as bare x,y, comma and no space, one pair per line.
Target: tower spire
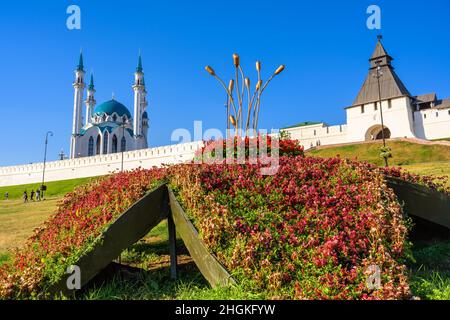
80,66
90,100
380,52
139,66
391,86
139,103
78,87
91,82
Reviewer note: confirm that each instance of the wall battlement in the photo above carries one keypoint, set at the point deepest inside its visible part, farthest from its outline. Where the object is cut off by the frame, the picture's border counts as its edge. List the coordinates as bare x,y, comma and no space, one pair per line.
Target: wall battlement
98,165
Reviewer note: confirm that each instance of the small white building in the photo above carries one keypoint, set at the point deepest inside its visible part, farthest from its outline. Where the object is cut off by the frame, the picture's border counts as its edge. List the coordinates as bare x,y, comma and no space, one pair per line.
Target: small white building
109,127
404,115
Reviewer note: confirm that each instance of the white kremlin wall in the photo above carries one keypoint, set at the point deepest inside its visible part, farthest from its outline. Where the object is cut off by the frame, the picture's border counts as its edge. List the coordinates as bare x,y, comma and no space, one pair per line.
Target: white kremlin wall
98,165
318,134
432,124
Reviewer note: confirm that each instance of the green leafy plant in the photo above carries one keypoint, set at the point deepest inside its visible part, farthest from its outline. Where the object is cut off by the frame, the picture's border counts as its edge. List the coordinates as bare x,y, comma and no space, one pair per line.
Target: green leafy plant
385,152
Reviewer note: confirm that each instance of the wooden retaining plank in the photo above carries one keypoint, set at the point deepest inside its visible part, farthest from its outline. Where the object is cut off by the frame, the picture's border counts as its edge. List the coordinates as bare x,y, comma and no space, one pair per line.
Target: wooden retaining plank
128,228
422,202
207,263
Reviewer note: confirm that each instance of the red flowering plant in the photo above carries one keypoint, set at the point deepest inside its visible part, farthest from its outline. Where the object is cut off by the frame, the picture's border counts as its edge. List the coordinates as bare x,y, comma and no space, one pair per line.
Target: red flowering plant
311,231
438,183
432,182
247,149
72,231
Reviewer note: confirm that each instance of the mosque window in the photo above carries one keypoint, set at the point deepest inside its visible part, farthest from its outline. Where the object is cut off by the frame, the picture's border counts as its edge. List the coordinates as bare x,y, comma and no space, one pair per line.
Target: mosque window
376,106
91,147
114,144
105,143
389,104
424,116
97,151
362,109
104,117
114,118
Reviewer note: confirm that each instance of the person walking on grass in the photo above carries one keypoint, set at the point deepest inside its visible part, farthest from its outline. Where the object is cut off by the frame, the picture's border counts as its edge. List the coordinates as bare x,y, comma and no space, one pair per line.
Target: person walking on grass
38,195
32,195
6,195
25,196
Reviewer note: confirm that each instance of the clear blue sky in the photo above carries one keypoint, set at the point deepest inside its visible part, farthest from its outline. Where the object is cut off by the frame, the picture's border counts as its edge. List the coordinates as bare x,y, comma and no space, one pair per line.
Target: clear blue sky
324,45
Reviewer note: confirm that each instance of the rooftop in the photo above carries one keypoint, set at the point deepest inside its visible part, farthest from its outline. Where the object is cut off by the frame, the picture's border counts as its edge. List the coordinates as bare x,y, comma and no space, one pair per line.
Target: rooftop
443,104
429,97
390,84
303,124
110,107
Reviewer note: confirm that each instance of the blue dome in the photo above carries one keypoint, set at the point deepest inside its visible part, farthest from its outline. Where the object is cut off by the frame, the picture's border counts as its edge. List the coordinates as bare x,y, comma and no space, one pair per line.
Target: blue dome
111,106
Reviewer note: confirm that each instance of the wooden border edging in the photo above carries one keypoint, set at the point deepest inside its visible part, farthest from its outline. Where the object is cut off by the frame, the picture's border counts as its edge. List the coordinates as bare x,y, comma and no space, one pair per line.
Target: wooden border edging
128,228
209,266
421,201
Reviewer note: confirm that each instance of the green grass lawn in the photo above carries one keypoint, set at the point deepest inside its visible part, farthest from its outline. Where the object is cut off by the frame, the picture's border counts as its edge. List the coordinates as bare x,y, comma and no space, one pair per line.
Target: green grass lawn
416,158
437,169
403,153
54,188
4,257
18,220
430,274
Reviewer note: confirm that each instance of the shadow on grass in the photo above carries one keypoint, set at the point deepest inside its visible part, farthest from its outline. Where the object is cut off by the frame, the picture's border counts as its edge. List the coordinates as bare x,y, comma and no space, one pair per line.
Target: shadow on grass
130,283
144,273
430,272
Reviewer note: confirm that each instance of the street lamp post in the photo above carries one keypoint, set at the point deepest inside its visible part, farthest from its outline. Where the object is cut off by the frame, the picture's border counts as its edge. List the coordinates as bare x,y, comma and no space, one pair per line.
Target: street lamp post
378,75
45,160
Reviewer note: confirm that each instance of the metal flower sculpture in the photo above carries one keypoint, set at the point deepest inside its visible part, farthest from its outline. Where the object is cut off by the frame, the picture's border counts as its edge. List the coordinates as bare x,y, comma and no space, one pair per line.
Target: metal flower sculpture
237,89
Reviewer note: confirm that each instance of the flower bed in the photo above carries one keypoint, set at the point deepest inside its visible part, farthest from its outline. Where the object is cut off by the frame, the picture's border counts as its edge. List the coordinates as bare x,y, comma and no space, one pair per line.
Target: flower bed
432,182
311,231
262,146
80,218
314,230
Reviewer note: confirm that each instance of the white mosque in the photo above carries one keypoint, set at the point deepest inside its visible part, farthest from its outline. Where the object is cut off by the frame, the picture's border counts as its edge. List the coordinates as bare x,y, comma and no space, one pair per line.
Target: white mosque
109,127
404,115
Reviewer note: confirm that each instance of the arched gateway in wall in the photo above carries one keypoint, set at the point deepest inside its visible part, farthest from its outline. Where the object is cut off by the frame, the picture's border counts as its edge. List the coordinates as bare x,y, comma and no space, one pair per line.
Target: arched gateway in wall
376,133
